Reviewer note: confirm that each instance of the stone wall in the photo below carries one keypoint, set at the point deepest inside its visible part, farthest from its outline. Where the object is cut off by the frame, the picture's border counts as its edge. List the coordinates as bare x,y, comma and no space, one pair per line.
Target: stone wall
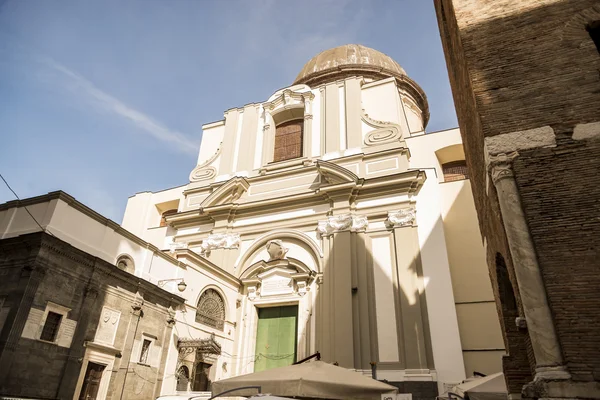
43,269
516,66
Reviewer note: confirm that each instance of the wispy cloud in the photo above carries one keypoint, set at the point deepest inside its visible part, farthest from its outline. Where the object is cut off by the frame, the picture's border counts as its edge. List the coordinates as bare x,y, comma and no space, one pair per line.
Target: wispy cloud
106,102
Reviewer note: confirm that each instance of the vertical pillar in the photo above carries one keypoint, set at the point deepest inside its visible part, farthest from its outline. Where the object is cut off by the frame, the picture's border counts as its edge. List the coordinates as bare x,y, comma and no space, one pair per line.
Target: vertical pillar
308,122
332,118
540,325
165,342
353,113
413,337
228,149
88,314
248,139
30,280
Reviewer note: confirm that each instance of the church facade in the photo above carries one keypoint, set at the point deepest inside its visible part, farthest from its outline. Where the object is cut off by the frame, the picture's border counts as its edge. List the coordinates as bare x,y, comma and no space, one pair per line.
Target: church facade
325,219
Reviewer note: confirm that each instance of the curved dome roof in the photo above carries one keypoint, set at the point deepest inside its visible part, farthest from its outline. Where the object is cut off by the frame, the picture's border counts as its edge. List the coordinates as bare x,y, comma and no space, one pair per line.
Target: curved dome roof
350,59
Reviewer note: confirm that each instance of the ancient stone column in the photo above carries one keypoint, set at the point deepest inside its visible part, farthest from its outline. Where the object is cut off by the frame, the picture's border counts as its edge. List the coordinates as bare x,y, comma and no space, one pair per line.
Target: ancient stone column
546,348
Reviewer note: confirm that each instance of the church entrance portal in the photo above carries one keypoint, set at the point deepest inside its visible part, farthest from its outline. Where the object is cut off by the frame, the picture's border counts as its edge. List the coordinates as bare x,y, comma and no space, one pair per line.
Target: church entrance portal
276,337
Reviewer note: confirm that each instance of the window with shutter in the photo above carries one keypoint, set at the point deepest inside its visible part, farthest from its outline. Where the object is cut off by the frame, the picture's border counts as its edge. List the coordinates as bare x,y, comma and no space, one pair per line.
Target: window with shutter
51,326
288,140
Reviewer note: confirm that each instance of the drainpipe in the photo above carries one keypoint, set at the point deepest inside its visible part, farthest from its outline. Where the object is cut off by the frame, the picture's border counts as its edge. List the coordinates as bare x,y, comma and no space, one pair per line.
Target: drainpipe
373,369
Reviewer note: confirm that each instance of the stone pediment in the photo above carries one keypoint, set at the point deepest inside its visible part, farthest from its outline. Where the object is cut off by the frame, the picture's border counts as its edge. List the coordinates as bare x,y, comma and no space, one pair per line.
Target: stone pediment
276,278
276,281
334,174
227,193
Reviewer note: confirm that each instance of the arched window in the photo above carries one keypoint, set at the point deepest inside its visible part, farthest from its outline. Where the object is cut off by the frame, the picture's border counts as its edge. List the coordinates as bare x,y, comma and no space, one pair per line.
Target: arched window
163,217
126,264
455,171
211,309
183,379
288,140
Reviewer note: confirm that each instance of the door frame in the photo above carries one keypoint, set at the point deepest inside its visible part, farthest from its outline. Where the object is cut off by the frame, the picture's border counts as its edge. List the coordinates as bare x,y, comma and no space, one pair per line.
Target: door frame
98,357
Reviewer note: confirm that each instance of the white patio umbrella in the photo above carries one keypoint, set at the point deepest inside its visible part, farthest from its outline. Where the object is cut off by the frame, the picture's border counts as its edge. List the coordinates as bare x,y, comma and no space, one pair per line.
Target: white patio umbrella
316,379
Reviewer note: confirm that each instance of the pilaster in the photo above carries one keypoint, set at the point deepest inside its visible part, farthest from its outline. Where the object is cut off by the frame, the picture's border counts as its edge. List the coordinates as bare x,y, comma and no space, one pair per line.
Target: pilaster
413,337
353,113
228,150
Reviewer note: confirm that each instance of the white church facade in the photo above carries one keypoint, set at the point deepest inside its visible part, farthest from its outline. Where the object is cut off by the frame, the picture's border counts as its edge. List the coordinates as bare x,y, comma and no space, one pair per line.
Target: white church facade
325,220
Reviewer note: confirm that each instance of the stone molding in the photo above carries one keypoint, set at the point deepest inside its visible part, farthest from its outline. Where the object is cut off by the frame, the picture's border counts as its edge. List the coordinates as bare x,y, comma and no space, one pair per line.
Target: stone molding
520,140
401,218
221,241
343,222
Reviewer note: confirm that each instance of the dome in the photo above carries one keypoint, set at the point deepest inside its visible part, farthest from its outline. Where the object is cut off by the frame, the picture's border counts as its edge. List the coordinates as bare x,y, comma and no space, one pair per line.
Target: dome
347,60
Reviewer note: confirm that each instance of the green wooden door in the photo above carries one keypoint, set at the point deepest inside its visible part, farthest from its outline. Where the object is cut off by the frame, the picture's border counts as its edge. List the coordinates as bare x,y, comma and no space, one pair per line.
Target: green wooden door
276,337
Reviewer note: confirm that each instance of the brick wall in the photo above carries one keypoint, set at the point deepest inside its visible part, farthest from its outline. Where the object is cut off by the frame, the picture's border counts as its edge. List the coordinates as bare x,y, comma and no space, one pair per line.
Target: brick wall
517,366
521,65
560,193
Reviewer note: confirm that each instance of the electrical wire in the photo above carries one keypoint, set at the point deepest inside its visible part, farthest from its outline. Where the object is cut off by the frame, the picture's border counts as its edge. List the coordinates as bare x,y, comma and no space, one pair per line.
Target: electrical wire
30,214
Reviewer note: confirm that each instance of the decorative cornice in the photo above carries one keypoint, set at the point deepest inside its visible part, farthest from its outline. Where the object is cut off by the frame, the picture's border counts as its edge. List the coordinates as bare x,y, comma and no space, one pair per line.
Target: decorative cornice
205,264
343,222
286,98
227,193
401,218
500,165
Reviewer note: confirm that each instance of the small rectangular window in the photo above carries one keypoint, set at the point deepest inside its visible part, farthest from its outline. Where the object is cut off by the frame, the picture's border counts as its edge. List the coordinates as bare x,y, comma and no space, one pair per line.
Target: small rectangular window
455,171
593,29
51,327
145,350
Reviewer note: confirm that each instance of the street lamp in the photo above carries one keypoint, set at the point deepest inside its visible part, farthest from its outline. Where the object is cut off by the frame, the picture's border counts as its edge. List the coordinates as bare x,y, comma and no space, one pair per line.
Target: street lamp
181,286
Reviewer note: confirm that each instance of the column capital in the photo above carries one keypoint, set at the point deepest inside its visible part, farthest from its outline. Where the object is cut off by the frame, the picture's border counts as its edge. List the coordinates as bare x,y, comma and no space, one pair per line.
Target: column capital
343,222
401,218
500,165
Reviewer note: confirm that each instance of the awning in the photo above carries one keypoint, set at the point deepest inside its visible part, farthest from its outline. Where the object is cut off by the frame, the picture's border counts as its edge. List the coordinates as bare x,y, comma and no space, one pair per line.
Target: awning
315,379
491,387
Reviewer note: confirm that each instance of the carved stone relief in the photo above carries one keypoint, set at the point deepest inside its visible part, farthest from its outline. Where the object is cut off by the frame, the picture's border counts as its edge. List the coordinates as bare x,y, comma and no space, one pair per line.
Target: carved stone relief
344,222
221,241
384,132
202,171
276,250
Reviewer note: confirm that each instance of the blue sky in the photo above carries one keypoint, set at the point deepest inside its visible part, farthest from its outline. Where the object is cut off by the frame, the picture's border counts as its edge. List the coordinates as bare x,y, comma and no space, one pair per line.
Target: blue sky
103,99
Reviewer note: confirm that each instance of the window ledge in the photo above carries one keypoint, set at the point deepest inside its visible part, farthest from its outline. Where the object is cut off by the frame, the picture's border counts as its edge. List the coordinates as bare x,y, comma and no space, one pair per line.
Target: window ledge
273,166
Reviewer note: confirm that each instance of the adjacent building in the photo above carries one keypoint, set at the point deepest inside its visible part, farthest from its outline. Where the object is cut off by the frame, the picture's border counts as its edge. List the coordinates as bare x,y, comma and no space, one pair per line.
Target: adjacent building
75,321
525,79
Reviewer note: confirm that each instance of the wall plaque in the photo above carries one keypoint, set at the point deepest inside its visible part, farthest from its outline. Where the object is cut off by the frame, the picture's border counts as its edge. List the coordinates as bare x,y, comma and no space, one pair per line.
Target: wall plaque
276,285
107,327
